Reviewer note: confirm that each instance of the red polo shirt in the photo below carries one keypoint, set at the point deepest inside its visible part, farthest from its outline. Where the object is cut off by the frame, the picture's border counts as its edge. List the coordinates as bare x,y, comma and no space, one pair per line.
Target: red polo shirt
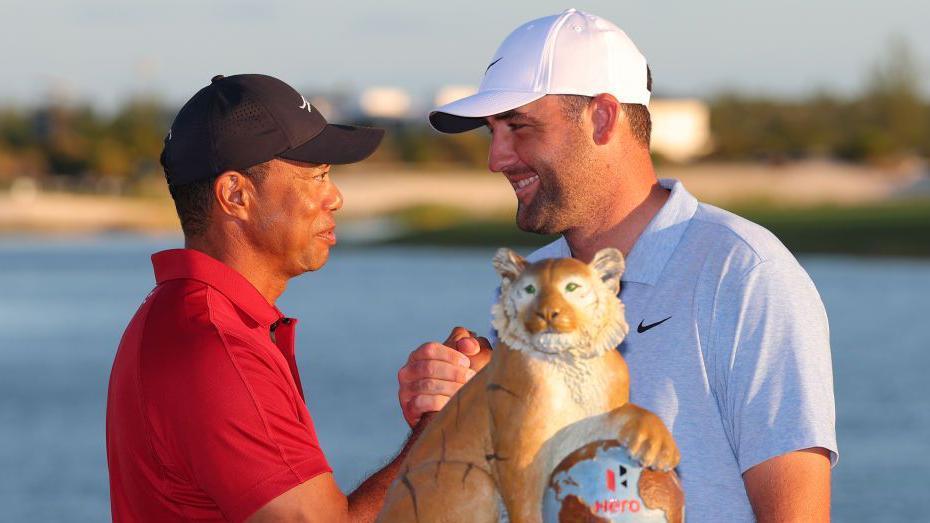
205,414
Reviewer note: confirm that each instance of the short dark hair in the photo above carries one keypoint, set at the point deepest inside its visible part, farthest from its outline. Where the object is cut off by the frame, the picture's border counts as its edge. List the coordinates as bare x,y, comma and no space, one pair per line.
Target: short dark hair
638,114
193,201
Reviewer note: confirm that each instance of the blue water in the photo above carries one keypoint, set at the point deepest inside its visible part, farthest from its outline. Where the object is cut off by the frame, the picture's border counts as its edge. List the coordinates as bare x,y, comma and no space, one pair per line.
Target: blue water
64,304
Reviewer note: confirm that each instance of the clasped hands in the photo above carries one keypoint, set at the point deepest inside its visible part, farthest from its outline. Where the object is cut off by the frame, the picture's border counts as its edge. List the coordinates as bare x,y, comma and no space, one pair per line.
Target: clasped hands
435,371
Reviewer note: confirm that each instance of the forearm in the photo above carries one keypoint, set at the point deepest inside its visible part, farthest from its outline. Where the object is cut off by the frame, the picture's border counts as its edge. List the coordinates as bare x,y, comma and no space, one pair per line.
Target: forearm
366,501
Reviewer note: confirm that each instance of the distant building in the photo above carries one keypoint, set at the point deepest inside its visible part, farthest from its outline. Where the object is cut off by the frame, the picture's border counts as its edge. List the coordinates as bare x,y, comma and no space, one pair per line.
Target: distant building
385,102
451,93
680,128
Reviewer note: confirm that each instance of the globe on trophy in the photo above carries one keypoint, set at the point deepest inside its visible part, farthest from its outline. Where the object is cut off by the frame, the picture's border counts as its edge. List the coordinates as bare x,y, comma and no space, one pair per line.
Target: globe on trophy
600,482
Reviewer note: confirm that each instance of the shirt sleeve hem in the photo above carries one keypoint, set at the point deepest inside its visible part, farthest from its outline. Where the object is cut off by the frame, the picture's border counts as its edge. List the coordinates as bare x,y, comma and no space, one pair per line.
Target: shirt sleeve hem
278,483
756,458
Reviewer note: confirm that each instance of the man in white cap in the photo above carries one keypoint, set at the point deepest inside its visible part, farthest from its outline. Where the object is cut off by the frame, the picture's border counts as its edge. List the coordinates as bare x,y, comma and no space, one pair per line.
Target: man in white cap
731,346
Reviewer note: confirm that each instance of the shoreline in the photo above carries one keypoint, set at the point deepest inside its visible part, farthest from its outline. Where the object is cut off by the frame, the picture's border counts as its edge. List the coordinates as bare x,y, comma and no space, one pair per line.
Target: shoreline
814,207
890,229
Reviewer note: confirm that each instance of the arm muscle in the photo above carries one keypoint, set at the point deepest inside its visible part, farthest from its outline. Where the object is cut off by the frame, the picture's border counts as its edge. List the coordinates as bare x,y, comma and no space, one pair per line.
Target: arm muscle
317,499
791,487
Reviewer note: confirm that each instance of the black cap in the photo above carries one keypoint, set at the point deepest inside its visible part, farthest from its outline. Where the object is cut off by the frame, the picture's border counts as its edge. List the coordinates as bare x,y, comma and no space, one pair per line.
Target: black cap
247,119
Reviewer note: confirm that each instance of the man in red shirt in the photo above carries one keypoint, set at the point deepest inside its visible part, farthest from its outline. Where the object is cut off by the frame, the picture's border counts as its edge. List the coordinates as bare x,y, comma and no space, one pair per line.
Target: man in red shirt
206,418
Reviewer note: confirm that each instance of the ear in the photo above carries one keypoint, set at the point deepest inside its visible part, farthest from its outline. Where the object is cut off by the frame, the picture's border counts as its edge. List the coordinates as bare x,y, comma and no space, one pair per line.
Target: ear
508,264
234,194
606,113
608,264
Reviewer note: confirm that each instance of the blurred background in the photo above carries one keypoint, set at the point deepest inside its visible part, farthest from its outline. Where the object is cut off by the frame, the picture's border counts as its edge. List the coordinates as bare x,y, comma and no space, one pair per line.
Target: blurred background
812,119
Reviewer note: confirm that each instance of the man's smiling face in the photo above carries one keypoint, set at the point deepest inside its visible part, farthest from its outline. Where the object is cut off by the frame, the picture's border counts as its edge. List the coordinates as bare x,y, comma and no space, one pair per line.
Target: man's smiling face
547,158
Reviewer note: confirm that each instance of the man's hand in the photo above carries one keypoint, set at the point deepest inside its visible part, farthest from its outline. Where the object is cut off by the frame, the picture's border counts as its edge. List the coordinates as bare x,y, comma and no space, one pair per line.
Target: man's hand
436,371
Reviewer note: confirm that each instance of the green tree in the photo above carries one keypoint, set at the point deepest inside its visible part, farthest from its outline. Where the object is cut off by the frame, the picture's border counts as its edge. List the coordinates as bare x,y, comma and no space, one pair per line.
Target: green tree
893,115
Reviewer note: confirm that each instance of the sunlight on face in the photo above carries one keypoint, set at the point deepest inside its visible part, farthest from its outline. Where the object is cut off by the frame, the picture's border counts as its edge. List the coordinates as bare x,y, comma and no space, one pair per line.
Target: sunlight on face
295,223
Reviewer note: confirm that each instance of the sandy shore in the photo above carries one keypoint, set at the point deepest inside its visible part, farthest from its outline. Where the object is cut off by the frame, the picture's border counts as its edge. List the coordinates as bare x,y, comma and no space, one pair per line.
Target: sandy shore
798,184
368,194
80,213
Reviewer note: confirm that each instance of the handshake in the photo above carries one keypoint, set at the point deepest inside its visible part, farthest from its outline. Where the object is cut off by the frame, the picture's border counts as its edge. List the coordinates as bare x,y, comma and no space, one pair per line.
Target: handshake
435,371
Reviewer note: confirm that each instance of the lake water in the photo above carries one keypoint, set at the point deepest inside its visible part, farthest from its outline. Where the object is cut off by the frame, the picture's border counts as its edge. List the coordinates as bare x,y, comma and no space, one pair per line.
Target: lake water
64,304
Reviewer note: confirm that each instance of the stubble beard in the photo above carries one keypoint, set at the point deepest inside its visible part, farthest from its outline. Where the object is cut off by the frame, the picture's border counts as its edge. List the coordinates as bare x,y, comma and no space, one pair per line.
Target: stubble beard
544,214
564,195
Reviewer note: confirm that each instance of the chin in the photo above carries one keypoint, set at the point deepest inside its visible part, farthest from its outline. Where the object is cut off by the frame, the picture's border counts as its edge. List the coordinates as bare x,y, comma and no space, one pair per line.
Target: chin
318,263
315,261
554,342
532,224
538,218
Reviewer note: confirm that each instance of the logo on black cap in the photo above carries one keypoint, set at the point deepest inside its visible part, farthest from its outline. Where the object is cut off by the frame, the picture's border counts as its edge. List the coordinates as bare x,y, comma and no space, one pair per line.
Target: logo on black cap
306,105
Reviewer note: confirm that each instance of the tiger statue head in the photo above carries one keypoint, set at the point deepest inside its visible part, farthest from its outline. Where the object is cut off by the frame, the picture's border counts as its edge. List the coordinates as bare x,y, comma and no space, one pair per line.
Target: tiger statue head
560,309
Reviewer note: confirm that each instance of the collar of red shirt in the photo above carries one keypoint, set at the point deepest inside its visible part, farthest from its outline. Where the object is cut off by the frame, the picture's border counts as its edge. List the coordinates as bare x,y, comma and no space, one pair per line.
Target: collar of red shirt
175,264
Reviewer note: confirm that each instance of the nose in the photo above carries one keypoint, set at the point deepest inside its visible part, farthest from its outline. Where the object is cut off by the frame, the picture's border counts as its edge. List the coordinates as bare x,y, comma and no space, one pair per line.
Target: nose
551,312
501,153
548,313
334,202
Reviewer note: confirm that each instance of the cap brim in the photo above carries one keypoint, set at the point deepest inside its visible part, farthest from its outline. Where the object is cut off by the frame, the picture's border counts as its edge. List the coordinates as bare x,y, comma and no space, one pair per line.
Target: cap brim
470,112
337,144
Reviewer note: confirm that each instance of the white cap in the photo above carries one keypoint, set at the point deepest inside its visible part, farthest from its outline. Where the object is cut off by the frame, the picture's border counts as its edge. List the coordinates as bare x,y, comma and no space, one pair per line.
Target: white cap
570,53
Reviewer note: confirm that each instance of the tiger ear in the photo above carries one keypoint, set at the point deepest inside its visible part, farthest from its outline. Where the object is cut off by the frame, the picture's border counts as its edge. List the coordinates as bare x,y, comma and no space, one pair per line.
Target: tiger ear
508,264
608,264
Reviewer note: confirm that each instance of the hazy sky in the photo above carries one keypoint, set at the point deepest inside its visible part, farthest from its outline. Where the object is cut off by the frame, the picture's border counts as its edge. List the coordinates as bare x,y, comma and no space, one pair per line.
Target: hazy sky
106,50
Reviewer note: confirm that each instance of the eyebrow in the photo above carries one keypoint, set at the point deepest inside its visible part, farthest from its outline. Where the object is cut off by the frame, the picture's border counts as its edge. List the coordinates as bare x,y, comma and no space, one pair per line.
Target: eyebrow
511,116
311,171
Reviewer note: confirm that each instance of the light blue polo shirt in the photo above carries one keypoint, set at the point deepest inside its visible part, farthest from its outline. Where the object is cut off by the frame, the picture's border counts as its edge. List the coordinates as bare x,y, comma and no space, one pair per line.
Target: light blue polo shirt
739,368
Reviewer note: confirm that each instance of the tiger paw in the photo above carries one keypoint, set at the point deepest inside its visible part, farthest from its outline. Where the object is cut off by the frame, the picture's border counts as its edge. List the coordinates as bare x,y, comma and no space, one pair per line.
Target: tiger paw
647,439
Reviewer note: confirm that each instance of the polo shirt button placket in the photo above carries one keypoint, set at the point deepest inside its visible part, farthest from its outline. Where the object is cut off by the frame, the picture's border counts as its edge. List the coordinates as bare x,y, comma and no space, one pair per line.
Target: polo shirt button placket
284,340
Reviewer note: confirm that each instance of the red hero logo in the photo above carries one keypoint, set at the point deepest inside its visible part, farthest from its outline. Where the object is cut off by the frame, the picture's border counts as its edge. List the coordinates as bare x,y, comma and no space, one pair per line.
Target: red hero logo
612,478
617,505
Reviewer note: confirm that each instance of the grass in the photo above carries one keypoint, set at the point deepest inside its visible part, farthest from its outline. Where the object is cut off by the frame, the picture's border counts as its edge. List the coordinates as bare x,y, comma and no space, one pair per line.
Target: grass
900,228
889,229
447,226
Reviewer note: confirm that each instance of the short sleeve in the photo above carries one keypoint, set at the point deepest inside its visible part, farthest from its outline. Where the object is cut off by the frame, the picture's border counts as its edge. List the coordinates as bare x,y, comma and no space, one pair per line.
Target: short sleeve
242,432
772,336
